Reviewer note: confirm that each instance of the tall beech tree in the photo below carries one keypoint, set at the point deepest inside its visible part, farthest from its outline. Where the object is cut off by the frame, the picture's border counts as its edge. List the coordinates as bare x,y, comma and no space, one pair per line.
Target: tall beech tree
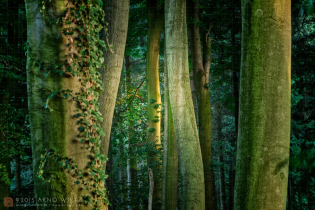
201,68
62,90
117,13
155,26
170,156
189,152
264,120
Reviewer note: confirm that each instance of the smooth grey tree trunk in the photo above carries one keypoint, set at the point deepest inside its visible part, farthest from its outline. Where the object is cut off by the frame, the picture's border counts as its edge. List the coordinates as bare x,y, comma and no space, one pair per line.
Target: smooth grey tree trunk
189,152
265,94
170,156
116,15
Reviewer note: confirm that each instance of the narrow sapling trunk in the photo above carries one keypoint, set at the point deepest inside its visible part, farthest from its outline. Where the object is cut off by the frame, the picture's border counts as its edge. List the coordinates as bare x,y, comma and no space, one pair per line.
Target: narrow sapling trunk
18,180
264,123
189,152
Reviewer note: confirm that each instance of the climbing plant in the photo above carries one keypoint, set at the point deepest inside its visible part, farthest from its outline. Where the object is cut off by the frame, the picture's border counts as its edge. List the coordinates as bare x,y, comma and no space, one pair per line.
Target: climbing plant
81,24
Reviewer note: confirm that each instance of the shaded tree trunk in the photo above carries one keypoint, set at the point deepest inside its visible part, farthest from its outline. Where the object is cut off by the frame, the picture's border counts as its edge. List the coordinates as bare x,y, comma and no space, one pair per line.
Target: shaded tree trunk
235,68
189,152
132,159
201,68
110,179
122,174
4,160
221,177
18,173
116,15
193,93
264,121
218,138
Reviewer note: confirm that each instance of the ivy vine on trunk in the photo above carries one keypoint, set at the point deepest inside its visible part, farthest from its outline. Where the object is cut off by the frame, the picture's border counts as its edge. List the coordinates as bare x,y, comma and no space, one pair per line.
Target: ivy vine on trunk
66,70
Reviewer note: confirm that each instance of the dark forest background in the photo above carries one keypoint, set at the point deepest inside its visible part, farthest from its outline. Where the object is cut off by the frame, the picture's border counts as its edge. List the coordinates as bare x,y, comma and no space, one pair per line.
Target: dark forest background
130,112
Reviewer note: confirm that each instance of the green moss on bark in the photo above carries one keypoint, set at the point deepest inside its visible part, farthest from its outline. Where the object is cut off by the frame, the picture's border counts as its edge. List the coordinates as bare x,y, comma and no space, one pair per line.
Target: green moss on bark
264,129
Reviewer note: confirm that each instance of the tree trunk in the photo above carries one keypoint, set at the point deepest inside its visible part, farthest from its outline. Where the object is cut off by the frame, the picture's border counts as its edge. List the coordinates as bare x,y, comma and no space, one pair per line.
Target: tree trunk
201,69
58,128
189,152
151,188
18,173
264,121
235,69
116,15
155,26
221,176
193,93
218,137
122,174
132,159
170,156
110,180
5,160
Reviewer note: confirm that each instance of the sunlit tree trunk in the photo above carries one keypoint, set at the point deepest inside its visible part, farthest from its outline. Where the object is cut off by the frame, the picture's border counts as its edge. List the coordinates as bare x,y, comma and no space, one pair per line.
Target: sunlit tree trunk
58,128
170,156
264,121
155,23
116,15
189,152
201,68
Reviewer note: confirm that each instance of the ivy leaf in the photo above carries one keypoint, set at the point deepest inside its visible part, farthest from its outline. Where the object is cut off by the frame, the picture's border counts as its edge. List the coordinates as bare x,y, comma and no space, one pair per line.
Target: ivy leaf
102,133
92,140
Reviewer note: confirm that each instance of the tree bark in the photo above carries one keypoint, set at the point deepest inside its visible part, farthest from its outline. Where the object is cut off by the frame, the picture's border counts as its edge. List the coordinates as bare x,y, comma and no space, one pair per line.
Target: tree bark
58,128
110,180
201,68
116,15
18,173
151,181
170,156
221,175
264,121
235,68
193,93
122,174
155,26
131,164
189,152
218,138
5,160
